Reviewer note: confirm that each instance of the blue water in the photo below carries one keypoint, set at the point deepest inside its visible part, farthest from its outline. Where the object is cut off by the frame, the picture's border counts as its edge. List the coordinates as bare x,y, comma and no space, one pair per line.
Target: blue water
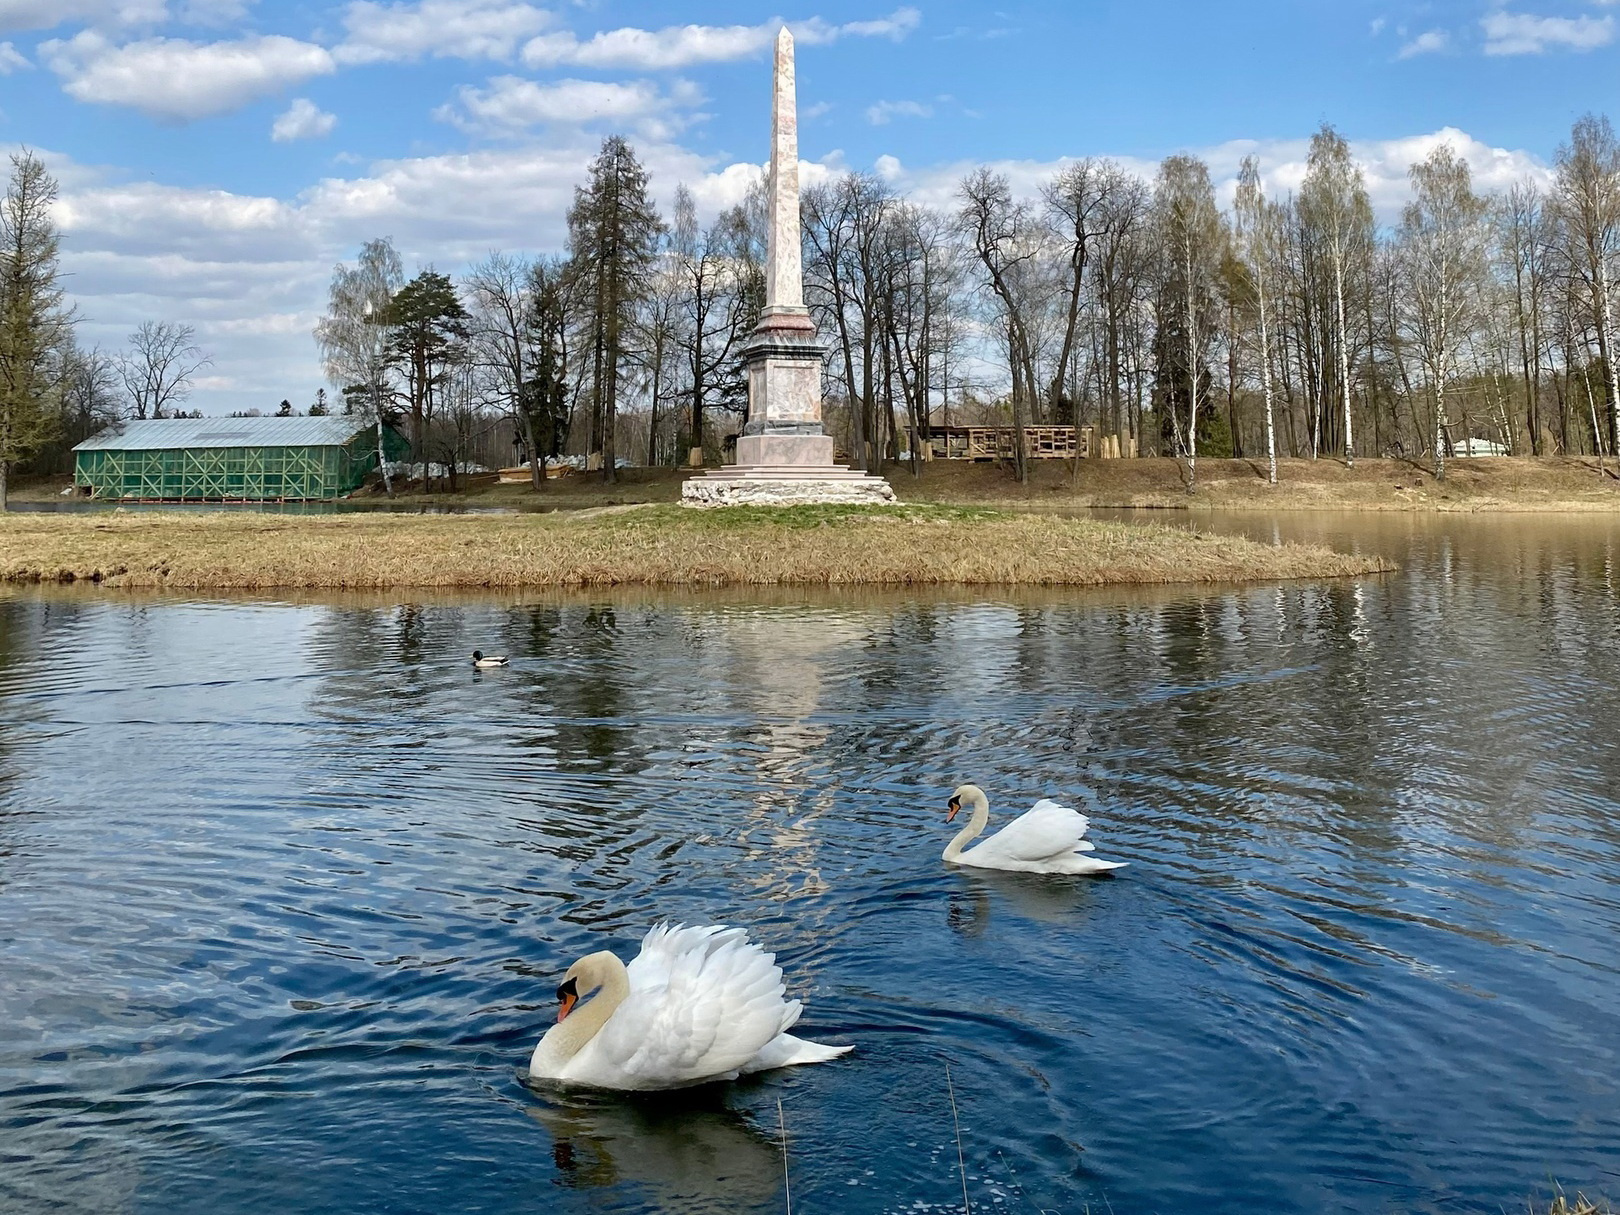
286,888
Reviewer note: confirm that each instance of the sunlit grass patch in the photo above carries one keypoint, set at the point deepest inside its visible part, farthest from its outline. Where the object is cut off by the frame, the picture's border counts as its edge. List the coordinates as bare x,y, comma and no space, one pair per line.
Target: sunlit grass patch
651,545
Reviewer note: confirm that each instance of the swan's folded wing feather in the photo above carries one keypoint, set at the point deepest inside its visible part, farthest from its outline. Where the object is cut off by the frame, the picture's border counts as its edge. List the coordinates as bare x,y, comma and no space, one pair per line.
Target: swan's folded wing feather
1044,831
702,1003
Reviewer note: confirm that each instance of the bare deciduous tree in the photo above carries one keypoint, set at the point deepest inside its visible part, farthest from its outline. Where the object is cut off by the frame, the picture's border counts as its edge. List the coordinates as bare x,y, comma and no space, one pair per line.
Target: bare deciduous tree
157,369
1442,240
353,336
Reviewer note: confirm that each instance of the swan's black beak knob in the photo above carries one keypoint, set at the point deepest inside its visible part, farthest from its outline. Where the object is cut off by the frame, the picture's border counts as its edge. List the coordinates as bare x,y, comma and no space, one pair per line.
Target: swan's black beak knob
567,997
954,805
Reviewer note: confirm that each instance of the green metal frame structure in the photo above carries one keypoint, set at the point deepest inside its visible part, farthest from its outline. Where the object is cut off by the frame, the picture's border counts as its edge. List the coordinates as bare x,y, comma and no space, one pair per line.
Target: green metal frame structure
240,474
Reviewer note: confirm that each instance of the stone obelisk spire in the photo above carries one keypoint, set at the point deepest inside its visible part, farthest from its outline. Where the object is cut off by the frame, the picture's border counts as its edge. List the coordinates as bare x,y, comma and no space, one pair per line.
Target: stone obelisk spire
783,454
784,277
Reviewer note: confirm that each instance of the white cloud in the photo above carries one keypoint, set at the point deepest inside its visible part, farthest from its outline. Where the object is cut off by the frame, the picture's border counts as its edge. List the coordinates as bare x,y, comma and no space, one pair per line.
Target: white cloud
883,112
1525,34
442,29
1377,26
303,119
251,271
1426,43
43,14
680,46
511,104
1283,163
896,25
171,78
11,59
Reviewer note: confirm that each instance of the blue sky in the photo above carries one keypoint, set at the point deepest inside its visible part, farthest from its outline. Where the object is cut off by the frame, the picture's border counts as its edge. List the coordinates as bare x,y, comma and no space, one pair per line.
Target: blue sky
218,156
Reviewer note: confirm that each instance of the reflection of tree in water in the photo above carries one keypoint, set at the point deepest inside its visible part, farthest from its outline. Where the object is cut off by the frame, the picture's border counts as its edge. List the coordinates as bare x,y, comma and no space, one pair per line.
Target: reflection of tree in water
29,627
597,696
687,1152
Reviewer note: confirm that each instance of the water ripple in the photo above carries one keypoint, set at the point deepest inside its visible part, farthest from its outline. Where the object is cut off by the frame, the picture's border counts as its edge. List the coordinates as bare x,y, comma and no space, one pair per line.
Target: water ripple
285,888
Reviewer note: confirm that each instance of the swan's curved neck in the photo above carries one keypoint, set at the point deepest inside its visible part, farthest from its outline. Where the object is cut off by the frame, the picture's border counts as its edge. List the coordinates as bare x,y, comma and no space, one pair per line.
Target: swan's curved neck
570,1035
981,816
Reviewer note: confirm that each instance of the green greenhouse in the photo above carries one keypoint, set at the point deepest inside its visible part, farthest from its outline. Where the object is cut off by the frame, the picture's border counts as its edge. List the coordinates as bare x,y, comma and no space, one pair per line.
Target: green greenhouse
231,459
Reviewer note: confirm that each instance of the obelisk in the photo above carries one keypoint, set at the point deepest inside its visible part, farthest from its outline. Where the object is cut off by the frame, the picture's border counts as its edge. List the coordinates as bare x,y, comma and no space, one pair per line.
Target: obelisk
783,454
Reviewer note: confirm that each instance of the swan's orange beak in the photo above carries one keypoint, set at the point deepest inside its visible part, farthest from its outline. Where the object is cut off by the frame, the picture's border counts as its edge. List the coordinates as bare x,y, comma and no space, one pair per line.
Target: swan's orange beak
567,997
952,806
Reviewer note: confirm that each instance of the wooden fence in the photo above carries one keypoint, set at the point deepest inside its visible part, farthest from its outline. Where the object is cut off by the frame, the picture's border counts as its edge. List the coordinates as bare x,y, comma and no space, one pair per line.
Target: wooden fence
996,442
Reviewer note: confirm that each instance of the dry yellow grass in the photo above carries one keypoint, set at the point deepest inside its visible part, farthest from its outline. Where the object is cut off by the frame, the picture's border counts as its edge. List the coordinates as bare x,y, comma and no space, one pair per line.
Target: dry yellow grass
653,545
1562,1204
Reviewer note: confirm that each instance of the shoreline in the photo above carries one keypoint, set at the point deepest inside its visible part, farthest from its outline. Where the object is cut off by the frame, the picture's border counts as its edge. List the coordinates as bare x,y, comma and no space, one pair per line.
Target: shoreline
1482,485
907,545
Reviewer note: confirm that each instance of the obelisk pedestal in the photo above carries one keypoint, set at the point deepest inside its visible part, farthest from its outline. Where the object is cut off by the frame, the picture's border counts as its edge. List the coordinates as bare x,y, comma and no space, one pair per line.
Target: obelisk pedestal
784,455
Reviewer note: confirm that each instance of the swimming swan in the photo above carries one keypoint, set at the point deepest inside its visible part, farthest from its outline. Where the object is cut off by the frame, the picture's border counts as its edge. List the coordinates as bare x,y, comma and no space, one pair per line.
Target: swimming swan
697,1004
1048,838
479,660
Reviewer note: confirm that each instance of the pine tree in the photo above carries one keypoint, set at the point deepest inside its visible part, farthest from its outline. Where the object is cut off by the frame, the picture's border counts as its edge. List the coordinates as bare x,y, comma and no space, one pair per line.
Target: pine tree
613,231
428,334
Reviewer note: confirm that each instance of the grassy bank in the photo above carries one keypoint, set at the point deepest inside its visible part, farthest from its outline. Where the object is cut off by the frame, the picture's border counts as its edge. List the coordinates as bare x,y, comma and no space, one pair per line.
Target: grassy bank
1494,484
1553,483
663,545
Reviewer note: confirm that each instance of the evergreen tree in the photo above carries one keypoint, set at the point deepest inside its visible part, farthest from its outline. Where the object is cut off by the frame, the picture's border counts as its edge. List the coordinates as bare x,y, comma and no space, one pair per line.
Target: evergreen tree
428,335
35,323
544,399
613,231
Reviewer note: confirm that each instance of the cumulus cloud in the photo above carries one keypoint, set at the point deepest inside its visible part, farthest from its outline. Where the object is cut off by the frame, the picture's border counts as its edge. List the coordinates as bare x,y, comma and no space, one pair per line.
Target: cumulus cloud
303,119
511,104
680,46
885,112
171,78
11,59
442,29
1283,162
43,14
251,271
1426,43
1526,34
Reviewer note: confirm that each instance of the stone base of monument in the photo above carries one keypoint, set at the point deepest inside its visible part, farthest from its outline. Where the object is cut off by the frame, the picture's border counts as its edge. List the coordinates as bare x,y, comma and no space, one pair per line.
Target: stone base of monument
786,485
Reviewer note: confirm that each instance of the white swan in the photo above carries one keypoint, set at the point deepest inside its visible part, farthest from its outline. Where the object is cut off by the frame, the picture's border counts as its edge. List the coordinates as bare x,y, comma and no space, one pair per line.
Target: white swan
1048,838
697,1004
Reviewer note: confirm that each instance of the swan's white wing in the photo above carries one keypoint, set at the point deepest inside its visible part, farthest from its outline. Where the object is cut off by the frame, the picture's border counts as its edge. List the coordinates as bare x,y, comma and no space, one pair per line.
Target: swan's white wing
702,1003
1081,845
1045,831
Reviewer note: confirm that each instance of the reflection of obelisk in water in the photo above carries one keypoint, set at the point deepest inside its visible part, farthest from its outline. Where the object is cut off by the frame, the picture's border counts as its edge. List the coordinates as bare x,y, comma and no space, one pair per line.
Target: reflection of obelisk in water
783,454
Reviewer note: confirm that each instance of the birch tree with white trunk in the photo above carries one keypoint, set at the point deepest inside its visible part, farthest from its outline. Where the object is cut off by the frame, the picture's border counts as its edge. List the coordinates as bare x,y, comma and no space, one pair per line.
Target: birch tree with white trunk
1443,247
1334,201
1587,196
353,336
1192,233
1255,230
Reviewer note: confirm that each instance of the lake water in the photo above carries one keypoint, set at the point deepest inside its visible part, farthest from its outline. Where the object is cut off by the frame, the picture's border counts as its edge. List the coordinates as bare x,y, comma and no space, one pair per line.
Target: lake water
286,888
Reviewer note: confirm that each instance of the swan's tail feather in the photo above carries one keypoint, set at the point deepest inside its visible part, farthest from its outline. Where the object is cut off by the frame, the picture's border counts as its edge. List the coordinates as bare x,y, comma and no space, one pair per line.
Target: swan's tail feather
815,1052
787,1051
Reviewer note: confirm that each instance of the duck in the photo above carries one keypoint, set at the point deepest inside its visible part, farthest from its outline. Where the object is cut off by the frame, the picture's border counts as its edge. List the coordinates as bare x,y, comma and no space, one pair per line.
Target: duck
1046,838
480,659
696,1005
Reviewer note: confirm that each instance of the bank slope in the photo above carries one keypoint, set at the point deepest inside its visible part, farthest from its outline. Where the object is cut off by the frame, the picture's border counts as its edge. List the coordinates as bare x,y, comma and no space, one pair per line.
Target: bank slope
653,545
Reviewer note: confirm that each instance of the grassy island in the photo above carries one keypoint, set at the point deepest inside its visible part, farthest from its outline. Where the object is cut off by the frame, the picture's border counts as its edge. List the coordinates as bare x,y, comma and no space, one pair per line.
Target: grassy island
638,545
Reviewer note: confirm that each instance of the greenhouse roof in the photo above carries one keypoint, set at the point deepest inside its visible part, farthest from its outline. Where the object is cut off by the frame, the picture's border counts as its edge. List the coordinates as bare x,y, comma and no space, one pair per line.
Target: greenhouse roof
171,433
